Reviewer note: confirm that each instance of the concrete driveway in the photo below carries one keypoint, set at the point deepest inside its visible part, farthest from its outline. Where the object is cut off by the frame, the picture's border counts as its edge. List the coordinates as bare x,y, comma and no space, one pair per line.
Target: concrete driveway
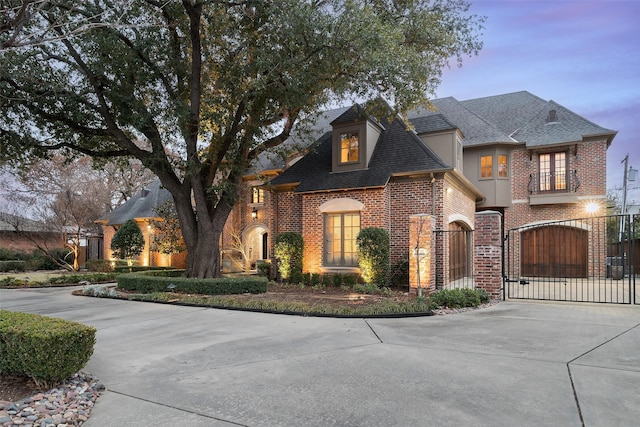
514,364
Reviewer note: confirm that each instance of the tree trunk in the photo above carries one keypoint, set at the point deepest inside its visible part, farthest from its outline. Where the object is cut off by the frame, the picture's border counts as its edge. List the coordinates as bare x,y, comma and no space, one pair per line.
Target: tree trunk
201,237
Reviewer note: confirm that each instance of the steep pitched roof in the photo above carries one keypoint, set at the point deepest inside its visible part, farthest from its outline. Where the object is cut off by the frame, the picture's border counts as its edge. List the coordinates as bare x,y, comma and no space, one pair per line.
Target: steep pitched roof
398,150
476,129
314,127
513,118
140,206
524,117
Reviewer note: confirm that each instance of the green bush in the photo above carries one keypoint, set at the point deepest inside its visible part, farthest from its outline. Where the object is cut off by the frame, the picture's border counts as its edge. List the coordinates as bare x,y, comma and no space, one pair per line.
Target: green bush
128,242
101,265
9,255
10,281
458,298
161,281
135,268
87,277
264,269
288,252
39,261
13,265
373,255
46,349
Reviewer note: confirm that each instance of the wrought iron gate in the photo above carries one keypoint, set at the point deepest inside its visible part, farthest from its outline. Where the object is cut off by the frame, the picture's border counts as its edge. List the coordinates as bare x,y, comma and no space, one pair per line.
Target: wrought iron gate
593,259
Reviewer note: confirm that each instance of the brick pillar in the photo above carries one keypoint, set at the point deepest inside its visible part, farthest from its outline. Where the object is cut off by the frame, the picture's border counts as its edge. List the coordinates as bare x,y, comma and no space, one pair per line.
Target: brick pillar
487,260
421,248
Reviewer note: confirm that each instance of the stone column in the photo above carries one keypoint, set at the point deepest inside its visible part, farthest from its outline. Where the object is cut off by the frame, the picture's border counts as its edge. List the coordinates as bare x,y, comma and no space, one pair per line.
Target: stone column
487,259
421,250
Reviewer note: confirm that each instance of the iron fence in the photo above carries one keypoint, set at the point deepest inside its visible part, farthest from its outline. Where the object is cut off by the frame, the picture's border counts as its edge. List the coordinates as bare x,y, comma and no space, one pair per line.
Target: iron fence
592,259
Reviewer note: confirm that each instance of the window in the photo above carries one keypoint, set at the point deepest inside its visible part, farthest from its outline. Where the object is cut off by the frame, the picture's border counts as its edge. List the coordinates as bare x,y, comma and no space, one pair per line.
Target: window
553,172
349,147
340,232
503,171
258,195
486,167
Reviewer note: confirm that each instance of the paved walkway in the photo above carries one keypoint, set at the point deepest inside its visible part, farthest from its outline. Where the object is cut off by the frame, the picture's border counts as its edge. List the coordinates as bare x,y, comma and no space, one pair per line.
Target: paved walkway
517,363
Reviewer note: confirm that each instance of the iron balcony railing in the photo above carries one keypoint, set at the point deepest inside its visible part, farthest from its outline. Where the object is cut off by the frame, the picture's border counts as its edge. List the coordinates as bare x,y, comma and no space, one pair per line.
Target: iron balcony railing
550,182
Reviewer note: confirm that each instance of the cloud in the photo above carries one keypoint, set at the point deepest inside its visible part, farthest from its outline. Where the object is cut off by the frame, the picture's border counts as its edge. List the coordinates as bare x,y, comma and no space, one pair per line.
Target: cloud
582,54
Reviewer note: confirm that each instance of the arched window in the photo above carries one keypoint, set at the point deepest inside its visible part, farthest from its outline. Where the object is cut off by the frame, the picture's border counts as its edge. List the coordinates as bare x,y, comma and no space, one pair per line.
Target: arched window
341,227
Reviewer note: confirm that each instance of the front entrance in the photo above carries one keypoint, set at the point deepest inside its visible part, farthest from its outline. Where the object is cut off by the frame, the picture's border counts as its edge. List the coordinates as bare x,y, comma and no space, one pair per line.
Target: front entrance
458,251
256,246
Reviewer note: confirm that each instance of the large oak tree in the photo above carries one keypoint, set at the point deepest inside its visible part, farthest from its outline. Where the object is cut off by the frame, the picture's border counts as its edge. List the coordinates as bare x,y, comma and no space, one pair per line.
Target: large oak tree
196,90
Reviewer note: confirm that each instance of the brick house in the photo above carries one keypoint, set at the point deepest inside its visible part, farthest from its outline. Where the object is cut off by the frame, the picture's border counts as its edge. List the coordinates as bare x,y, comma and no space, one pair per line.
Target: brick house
531,160
141,208
528,160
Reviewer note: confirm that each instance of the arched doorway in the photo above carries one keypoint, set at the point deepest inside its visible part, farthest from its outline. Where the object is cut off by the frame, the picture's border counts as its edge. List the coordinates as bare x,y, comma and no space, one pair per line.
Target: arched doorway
255,245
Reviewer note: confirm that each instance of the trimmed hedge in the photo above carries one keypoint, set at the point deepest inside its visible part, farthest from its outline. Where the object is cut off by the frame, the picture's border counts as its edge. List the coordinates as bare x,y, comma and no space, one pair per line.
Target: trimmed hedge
62,279
49,350
12,265
458,298
164,280
136,268
100,265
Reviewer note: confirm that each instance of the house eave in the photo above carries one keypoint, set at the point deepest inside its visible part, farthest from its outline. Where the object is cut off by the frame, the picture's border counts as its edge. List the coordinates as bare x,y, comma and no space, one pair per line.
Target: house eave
458,179
343,189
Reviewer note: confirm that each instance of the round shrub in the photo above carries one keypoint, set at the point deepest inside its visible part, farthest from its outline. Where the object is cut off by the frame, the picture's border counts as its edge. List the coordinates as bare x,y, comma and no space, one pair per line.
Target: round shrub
128,242
373,254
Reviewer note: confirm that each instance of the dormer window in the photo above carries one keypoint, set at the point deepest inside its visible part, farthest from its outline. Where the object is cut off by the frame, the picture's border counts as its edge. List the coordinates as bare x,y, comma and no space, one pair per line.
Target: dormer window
349,147
553,116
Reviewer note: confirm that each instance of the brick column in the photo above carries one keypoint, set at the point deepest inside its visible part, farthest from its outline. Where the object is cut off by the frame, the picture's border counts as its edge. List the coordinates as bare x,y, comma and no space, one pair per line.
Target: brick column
421,251
487,260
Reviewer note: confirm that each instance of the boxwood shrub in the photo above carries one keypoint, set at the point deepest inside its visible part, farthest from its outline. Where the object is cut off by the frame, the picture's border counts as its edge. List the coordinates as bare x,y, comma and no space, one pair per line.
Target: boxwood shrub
164,280
458,298
46,349
12,265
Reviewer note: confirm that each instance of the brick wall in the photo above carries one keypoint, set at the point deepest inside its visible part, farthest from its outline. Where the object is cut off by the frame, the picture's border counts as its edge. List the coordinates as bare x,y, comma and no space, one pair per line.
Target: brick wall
20,243
588,159
372,215
487,264
421,249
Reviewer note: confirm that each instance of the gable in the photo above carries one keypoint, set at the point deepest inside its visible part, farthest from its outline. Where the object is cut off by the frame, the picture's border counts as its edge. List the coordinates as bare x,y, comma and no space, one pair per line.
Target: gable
398,150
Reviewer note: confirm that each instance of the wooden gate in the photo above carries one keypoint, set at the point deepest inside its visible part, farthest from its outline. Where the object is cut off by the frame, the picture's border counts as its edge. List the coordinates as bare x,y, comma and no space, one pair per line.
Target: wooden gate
582,260
554,251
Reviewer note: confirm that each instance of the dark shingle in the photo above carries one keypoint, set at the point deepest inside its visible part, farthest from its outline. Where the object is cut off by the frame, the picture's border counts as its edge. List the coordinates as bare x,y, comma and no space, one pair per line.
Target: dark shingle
398,150
142,205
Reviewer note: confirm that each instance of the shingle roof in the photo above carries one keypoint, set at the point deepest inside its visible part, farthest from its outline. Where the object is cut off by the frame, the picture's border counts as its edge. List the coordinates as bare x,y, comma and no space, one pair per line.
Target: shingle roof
476,129
398,150
314,128
523,116
518,117
140,206
9,222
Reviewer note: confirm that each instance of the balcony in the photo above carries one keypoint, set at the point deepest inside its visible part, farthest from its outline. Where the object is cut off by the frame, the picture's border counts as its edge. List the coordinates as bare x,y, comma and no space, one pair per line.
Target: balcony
549,188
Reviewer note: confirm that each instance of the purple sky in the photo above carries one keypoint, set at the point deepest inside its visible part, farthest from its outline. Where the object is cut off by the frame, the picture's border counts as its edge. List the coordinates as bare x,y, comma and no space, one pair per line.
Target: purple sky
583,54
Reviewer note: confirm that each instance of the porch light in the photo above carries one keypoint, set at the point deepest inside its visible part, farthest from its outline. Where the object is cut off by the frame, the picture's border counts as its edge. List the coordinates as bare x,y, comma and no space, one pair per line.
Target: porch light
254,213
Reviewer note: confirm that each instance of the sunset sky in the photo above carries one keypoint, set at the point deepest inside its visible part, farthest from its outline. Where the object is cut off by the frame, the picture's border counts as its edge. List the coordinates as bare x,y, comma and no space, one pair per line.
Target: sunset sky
583,54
